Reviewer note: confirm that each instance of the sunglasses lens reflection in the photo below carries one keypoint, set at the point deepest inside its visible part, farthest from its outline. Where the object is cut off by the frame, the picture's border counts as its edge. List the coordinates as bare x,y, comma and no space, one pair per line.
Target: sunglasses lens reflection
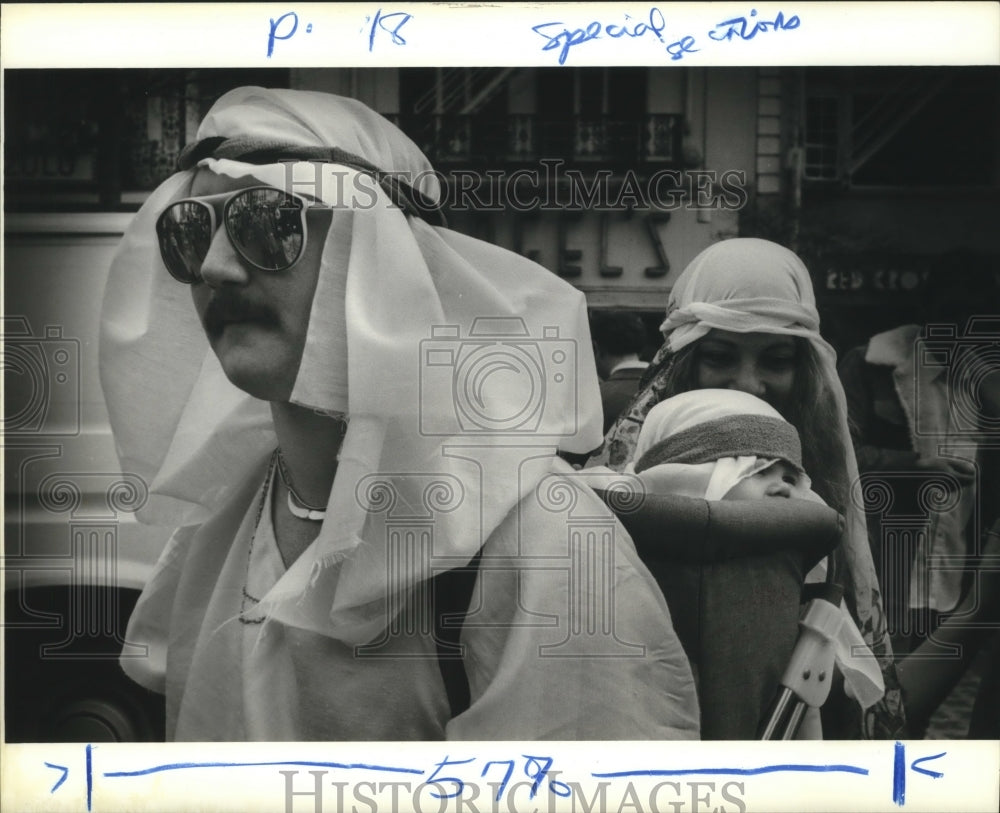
184,231
266,227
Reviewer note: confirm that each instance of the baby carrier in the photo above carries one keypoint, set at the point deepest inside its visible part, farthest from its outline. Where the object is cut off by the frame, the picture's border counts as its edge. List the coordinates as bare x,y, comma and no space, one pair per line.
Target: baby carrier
732,573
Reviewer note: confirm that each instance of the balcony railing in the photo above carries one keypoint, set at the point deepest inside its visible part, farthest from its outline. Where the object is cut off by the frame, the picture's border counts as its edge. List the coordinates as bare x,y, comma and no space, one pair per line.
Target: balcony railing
528,138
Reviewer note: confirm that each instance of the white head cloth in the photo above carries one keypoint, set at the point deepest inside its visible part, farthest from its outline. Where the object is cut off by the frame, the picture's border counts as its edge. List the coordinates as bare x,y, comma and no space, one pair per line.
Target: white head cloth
386,278
765,289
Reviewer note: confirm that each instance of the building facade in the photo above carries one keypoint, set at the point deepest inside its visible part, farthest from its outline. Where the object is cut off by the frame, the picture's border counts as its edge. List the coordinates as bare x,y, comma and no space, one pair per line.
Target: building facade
612,178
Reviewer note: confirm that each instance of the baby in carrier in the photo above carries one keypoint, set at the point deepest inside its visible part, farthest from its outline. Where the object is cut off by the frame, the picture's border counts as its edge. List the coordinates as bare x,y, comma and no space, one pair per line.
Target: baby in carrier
730,445
720,445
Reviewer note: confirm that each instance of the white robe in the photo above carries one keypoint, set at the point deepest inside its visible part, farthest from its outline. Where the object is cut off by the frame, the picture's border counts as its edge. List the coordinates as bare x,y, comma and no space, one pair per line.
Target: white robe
607,665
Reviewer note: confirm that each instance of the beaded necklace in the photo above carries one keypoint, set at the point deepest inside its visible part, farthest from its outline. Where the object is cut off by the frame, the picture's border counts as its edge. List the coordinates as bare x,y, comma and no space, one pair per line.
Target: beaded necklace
299,507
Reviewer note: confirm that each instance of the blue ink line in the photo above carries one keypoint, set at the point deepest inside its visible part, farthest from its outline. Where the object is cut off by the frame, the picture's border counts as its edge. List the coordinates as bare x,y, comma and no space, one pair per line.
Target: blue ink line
933,774
177,766
899,775
90,776
502,786
371,36
433,778
65,773
273,35
379,21
737,771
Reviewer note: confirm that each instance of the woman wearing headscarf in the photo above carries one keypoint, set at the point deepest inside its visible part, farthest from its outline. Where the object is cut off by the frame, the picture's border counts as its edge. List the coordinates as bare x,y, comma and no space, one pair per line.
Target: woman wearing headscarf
294,600
743,316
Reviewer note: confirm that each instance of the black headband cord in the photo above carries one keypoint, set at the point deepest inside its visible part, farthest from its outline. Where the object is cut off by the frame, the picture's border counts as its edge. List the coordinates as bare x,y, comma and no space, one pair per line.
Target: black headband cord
251,151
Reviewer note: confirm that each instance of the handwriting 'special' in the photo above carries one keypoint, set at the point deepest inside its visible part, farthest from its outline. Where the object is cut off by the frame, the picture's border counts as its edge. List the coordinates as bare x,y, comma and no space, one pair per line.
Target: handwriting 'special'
565,39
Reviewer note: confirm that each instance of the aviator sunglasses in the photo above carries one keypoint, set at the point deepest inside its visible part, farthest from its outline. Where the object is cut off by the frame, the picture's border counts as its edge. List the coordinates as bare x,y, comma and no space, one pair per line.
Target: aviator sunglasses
266,226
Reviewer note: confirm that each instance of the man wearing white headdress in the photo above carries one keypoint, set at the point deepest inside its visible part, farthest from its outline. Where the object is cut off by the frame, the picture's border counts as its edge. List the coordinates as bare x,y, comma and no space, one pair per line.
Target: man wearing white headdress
335,422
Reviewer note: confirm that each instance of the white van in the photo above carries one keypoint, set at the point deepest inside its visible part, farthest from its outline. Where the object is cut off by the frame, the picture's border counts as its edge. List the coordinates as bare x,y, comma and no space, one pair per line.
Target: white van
75,558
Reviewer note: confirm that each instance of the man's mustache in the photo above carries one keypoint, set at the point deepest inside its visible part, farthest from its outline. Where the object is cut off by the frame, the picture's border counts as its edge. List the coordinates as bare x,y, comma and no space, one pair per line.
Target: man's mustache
223,309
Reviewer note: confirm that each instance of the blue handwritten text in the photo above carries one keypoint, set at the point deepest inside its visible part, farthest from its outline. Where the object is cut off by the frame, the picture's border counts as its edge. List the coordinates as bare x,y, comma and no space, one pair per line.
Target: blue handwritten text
739,27
455,774
392,23
284,28
685,45
564,40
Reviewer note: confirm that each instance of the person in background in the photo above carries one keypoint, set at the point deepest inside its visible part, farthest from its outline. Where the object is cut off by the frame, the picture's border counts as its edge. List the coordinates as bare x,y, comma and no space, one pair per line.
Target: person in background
922,401
985,718
619,337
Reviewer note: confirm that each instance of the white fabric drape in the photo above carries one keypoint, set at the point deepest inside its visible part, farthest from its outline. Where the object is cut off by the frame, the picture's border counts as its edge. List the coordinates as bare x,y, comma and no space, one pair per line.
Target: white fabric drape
765,289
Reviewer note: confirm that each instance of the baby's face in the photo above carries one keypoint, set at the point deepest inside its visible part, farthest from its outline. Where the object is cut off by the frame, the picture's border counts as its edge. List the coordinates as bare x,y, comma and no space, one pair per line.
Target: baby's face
780,479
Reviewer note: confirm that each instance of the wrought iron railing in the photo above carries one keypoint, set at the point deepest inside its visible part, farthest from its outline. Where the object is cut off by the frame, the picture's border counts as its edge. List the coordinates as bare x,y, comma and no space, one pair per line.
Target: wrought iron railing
526,138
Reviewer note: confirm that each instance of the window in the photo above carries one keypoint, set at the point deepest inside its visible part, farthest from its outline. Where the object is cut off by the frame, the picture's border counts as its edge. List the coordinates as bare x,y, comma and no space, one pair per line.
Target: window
903,127
599,114
102,139
821,138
